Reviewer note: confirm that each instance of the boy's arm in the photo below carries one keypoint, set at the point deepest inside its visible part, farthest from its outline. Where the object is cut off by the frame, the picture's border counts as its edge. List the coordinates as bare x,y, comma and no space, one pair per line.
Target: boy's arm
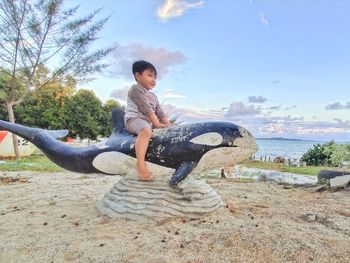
161,114
154,119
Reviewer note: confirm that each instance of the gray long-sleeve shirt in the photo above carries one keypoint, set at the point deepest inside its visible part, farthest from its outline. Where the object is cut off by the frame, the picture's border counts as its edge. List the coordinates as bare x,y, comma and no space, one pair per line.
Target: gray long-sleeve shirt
141,103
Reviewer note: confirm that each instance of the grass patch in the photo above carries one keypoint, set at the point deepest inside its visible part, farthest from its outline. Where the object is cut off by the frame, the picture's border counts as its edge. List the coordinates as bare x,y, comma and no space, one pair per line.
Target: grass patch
307,170
31,163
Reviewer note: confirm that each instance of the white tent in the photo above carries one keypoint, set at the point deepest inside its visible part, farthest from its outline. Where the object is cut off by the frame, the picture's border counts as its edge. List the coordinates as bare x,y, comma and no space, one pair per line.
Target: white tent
6,146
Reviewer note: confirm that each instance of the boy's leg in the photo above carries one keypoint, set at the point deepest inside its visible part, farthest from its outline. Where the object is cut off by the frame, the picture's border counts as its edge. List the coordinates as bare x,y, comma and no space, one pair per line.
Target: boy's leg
141,146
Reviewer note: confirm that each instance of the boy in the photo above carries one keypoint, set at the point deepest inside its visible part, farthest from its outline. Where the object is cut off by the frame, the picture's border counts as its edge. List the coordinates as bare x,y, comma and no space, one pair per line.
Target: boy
143,112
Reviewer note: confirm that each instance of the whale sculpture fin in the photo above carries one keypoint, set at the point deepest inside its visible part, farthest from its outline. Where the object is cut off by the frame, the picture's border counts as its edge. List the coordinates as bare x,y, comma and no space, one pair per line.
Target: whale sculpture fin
182,172
118,120
58,134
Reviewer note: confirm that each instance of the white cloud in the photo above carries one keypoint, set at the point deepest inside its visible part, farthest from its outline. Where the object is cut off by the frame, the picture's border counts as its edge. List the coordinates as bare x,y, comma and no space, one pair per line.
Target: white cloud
262,125
170,94
290,107
188,115
263,20
338,106
176,8
161,58
121,94
257,99
238,109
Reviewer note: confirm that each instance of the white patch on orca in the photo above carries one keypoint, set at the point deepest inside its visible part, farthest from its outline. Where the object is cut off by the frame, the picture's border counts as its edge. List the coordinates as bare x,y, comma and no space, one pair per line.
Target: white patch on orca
227,156
120,163
210,138
101,145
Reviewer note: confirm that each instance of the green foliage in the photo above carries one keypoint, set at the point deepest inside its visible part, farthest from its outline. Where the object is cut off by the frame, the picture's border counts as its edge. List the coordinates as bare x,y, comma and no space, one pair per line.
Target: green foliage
6,92
318,155
3,112
339,153
105,121
56,106
43,111
43,107
83,112
328,154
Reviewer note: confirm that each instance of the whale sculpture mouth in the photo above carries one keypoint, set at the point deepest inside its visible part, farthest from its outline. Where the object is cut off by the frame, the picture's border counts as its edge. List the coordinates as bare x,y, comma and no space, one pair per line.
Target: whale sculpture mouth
227,156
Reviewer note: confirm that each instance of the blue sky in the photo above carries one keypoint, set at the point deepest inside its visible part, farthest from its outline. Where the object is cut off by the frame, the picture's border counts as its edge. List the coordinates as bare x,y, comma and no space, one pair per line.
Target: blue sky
278,68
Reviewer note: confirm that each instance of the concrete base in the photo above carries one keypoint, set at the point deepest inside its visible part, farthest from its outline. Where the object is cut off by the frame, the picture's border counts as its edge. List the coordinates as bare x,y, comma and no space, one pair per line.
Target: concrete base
133,199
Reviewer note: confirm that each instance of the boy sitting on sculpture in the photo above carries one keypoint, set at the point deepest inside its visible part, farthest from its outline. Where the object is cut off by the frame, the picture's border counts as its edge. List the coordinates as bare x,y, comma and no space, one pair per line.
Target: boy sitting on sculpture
143,112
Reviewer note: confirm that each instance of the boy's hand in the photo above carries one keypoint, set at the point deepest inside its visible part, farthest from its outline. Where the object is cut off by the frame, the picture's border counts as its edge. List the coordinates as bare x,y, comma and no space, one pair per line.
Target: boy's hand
156,124
162,125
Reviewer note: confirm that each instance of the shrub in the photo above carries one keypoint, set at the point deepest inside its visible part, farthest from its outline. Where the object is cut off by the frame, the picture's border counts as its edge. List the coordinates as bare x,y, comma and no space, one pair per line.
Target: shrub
318,155
339,153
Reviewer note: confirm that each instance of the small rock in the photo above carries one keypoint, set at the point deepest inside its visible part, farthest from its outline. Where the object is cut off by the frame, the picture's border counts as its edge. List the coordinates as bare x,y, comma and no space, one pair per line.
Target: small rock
309,217
318,188
340,181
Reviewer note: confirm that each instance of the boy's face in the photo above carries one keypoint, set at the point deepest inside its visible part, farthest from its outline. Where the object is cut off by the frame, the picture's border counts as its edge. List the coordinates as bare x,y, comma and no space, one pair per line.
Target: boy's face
147,79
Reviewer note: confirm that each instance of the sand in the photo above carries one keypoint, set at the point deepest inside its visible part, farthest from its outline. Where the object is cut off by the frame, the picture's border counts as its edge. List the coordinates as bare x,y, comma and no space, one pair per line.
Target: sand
51,218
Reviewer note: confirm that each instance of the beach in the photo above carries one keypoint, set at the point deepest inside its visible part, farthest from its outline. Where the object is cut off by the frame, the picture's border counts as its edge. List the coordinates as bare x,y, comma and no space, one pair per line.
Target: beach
51,217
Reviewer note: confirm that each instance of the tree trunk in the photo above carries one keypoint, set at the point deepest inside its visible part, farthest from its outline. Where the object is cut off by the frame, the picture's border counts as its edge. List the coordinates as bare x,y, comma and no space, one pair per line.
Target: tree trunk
11,115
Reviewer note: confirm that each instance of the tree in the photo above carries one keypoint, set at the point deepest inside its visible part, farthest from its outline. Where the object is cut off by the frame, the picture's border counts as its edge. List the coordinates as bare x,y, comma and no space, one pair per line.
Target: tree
40,32
44,107
106,117
83,112
6,92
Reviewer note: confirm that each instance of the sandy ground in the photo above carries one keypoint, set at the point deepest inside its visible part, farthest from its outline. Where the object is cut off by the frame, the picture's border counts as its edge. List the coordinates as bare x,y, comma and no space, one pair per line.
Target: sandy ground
52,218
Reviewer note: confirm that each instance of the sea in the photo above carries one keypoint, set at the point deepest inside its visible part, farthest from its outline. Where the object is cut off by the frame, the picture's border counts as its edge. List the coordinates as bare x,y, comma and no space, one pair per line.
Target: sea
287,148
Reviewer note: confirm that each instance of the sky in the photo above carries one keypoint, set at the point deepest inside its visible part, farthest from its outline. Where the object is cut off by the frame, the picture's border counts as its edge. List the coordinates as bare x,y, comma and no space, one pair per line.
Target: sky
278,68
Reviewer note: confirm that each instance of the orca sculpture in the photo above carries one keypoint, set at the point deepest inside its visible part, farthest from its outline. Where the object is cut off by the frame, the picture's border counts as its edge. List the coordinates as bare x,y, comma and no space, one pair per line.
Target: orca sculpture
177,150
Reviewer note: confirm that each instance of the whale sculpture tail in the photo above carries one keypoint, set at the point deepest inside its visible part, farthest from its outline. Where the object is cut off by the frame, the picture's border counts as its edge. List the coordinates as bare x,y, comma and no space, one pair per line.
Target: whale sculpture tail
28,133
66,156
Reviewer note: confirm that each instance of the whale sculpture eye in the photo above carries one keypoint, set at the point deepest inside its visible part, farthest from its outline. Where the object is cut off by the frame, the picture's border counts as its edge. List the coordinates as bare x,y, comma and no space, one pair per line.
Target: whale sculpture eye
210,138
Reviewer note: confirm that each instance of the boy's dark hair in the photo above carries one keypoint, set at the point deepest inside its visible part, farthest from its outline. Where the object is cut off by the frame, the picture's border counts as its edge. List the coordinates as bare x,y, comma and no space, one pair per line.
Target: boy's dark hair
141,65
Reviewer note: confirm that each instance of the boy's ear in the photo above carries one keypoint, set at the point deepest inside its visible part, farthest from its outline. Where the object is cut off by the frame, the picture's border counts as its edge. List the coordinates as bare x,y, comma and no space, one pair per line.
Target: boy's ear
137,76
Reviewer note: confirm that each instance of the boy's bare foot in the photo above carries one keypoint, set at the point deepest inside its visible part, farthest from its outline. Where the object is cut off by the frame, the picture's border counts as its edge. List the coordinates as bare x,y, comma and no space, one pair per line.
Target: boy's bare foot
143,173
